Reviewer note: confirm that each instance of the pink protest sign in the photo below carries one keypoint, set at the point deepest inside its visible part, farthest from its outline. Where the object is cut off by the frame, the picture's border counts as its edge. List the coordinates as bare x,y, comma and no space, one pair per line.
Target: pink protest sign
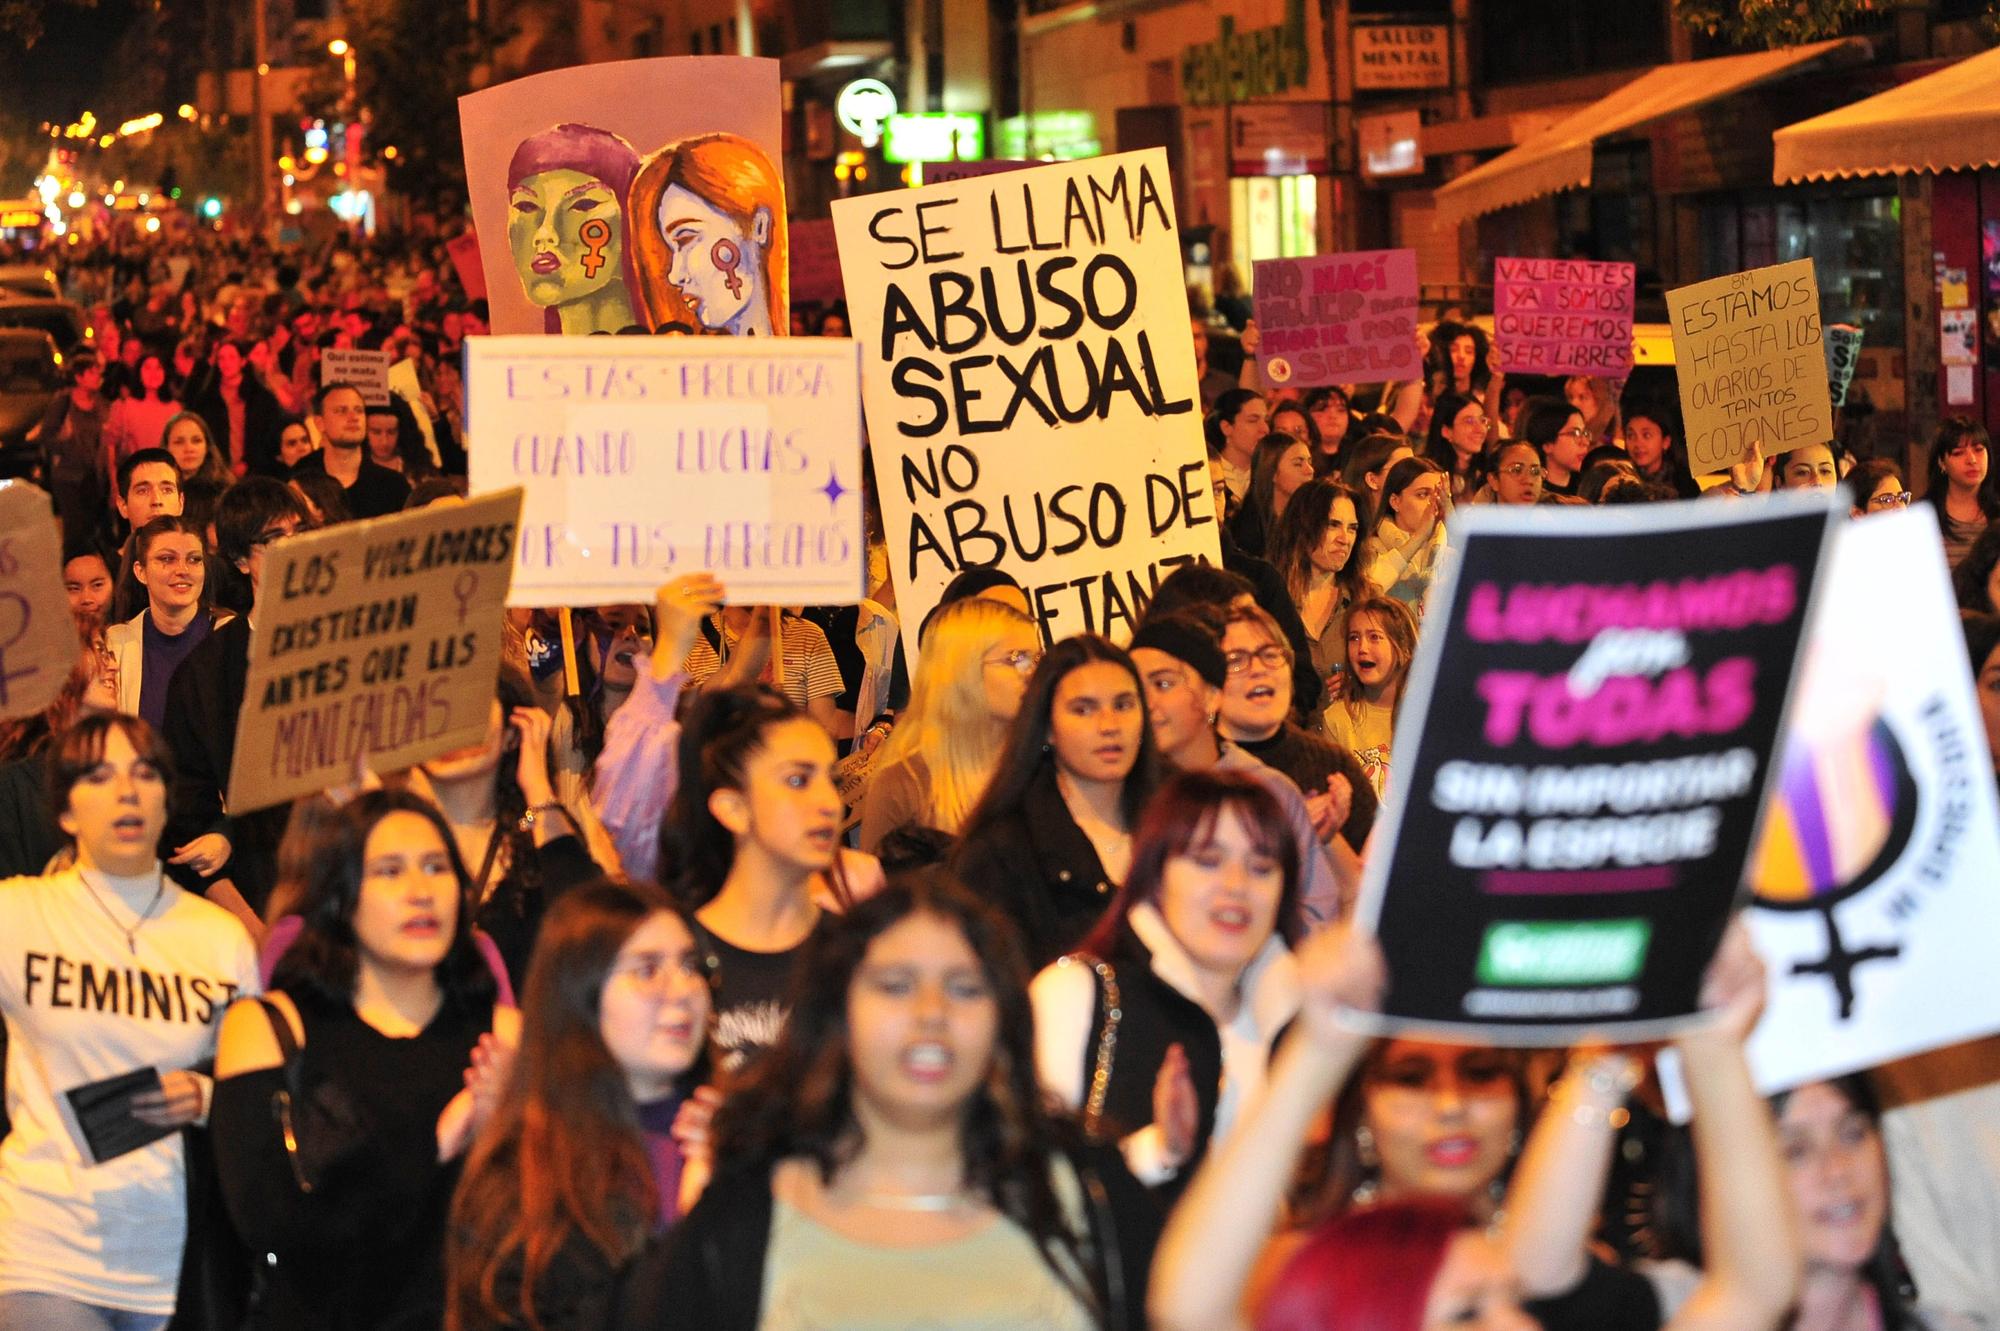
1338,318
815,263
1563,316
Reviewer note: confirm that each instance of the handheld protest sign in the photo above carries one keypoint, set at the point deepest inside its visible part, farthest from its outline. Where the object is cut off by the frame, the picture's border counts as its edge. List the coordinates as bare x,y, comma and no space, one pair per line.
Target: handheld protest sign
38,646
1872,896
1338,318
678,155
376,641
644,458
367,371
1030,386
1563,316
1843,354
1752,370
1585,740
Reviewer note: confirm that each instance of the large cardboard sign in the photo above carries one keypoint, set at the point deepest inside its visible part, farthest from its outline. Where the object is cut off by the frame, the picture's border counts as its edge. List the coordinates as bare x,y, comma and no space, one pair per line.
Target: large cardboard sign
1873,898
634,193
1590,723
1338,318
1563,316
365,370
1752,370
643,458
373,640
1030,385
38,646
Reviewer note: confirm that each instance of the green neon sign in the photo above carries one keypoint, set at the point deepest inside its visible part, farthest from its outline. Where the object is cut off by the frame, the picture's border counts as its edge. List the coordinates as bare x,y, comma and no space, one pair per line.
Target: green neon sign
1247,66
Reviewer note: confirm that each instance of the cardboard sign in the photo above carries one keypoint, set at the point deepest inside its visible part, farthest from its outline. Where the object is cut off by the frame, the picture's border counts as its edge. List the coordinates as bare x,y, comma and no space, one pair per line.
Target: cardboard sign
1586,739
1563,316
366,370
1872,887
576,184
464,251
1843,354
644,458
947,173
1338,318
1747,348
1030,386
38,646
376,639
815,263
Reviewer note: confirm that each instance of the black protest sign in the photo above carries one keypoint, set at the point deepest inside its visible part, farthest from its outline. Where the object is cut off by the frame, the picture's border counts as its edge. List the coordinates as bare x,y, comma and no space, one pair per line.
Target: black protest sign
375,641
1029,380
1581,764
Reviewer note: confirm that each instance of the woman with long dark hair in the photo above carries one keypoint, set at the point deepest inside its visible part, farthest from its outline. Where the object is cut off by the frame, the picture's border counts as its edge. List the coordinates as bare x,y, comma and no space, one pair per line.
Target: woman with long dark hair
1317,550
1652,438
1457,441
1959,483
579,1164
139,419
1159,1027
1331,414
340,1104
1280,466
1052,837
892,1163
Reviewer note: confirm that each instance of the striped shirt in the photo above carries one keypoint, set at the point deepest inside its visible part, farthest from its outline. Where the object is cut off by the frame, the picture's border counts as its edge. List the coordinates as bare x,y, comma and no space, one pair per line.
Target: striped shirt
810,670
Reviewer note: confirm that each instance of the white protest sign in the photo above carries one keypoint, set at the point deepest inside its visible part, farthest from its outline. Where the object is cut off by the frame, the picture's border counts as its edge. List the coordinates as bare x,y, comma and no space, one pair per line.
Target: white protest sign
1030,385
1873,886
644,458
365,370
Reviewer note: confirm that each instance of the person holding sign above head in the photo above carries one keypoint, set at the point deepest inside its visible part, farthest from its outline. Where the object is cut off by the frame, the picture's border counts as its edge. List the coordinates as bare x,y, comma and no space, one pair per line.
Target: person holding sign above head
113,983
1216,382
1256,715
342,1103
170,563
1158,1029
978,656
1410,530
1052,837
1959,483
372,490
1180,659
805,669
1559,430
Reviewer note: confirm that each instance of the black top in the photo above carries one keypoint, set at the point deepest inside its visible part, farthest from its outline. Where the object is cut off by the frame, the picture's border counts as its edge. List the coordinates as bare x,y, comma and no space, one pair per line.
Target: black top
511,914
263,421
1608,1298
377,491
1036,866
365,1250
1307,760
708,1271
750,991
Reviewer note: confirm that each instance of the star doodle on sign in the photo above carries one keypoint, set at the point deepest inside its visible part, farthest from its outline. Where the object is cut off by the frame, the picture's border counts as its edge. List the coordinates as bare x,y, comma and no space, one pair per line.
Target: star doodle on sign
833,489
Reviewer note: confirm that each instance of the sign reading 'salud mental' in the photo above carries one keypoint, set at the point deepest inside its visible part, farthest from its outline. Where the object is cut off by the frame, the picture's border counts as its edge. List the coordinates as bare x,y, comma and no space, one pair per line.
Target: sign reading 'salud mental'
375,641
644,458
1751,364
1030,386
1584,750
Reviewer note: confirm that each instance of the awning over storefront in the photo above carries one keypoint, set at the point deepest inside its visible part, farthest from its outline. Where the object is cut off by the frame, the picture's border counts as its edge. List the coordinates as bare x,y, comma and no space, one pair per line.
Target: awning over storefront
1947,121
1559,157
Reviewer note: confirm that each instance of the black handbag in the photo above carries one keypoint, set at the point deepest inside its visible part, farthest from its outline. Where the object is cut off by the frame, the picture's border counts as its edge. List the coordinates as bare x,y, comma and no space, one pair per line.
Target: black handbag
322,1124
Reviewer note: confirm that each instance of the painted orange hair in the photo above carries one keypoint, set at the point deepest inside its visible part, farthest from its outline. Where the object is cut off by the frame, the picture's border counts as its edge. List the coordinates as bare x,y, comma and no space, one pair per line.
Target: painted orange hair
737,179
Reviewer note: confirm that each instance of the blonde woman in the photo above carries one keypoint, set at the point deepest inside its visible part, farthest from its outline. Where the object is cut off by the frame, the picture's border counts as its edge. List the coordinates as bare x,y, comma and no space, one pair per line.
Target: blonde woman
977,657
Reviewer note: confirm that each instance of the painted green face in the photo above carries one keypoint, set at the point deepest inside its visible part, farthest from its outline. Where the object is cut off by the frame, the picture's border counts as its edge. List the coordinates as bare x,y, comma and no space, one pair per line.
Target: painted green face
567,232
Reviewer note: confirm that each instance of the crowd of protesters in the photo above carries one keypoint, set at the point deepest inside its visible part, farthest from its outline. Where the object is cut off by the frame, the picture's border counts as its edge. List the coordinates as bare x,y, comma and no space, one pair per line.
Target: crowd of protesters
744,976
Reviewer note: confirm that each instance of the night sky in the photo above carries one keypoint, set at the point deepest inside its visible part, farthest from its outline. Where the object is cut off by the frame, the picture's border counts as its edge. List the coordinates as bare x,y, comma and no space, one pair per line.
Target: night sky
61,74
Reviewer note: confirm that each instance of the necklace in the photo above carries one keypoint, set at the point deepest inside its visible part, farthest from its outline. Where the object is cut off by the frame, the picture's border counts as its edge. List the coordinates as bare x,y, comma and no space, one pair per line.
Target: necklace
131,938
934,1202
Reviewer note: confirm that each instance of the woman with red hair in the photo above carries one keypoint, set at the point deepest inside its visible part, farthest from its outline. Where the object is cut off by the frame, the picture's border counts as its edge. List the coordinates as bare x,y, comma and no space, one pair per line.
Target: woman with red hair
708,234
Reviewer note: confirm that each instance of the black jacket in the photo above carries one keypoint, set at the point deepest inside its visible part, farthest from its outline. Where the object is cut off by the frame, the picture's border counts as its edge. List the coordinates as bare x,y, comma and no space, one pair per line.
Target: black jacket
203,702
1036,867
263,421
708,1271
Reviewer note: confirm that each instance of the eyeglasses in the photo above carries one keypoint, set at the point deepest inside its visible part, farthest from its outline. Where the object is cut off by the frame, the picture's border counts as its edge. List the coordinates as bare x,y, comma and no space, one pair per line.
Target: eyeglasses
1271,657
1480,420
649,967
1022,662
1520,469
1576,432
1894,499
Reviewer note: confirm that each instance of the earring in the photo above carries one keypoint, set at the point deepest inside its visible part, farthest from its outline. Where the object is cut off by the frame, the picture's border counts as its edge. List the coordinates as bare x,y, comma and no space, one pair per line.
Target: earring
1364,1147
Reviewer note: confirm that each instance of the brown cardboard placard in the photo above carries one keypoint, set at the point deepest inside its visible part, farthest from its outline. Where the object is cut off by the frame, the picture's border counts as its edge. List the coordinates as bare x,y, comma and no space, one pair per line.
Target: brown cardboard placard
378,639
1752,365
38,646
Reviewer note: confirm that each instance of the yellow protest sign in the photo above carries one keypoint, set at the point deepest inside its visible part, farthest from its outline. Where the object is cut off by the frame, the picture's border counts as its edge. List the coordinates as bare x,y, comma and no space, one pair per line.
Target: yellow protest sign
1751,363
373,639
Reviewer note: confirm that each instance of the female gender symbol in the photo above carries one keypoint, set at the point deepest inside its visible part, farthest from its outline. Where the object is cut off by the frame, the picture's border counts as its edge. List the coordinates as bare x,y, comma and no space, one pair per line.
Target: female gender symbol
596,233
21,631
467,584
725,255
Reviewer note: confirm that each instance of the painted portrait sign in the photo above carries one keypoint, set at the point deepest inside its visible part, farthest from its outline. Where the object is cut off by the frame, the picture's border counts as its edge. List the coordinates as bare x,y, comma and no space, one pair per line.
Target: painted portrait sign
634,194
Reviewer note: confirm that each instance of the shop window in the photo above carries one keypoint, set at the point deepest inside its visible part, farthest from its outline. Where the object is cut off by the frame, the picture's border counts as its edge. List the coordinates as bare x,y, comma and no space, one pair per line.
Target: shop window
1854,240
1272,217
1550,39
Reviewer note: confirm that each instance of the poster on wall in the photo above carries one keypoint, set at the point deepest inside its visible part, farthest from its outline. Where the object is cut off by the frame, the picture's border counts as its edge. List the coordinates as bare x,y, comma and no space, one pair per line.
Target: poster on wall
1752,370
1872,901
1563,316
646,458
632,194
1584,748
1338,318
1030,386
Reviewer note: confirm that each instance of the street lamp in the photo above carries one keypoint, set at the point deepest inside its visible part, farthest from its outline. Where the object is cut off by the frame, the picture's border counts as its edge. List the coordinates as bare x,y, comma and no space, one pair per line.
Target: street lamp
338,46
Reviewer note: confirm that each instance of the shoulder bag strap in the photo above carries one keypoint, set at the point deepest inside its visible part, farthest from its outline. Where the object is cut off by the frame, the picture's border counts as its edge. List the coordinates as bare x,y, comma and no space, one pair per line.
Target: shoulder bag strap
283,1098
1107,1043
